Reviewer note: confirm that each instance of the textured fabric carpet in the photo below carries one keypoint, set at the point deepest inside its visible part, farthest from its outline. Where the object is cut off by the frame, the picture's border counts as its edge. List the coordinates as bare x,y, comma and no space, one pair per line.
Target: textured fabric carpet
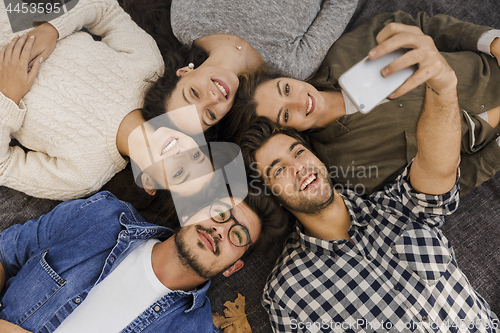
473,230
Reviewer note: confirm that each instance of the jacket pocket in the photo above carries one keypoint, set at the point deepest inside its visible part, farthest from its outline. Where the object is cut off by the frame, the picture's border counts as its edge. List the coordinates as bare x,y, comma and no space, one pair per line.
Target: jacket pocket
30,289
424,251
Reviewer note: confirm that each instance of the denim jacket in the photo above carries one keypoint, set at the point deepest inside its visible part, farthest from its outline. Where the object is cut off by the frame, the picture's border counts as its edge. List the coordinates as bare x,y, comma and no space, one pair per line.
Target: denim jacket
52,263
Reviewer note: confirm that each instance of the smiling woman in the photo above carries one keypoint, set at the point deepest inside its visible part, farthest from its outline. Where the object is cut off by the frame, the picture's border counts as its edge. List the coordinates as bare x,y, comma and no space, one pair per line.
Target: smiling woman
291,38
76,111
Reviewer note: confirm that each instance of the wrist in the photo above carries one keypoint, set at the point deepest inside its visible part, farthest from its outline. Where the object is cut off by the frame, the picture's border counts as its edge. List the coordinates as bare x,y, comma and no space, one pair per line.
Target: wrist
495,48
50,29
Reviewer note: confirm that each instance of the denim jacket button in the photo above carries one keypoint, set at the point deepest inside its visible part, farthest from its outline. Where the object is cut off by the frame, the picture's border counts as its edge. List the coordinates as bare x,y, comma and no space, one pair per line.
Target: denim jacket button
112,259
157,308
78,300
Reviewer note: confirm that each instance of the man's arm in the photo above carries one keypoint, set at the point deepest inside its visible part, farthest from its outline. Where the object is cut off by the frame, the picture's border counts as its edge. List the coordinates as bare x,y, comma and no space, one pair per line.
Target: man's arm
434,169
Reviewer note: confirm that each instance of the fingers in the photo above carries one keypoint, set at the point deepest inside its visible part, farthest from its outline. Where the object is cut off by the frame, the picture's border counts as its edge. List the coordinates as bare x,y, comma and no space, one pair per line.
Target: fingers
388,33
9,48
15,49
18,48
34,70
26,50
393,29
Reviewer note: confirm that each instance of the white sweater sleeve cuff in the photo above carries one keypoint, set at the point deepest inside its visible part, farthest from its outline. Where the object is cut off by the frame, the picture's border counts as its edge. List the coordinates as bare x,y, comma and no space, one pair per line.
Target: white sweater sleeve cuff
64,26
11,114
484,42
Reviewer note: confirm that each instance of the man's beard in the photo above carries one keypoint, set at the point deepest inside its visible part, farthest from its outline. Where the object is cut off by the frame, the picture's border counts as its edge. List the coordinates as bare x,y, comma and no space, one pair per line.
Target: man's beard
310,207
187,256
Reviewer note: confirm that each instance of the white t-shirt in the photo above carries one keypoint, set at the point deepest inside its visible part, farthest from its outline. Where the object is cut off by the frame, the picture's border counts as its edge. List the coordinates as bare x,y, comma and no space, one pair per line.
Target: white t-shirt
117,300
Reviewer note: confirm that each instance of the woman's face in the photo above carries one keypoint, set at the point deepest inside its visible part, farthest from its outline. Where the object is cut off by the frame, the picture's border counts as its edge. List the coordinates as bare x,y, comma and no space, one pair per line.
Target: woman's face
173,160
211,89
290,102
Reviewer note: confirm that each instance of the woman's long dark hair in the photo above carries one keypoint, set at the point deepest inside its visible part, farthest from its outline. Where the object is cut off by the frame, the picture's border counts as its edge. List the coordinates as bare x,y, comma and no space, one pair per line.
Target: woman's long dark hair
153,16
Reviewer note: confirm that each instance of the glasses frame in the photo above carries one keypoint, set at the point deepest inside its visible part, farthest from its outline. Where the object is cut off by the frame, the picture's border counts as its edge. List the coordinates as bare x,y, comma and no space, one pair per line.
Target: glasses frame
236,222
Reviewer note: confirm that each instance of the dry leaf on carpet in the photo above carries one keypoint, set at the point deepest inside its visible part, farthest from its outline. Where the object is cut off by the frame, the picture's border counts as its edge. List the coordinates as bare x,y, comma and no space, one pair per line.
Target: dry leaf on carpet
235,318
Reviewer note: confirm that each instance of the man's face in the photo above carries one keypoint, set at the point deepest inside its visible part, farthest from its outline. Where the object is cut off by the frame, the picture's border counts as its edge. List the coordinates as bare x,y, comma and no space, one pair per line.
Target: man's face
295,175
206,247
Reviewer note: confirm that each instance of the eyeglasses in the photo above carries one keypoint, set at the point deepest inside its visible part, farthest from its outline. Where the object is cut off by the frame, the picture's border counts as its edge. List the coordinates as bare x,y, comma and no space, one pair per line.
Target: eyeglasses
238,233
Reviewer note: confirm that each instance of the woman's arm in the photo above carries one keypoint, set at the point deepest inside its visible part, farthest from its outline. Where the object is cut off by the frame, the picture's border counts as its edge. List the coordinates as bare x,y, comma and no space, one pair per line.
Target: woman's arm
308,52
34,173
105,18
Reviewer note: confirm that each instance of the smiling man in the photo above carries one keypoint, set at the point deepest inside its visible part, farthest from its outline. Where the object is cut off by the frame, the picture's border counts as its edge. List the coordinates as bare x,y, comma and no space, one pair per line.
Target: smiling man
377,263
95,265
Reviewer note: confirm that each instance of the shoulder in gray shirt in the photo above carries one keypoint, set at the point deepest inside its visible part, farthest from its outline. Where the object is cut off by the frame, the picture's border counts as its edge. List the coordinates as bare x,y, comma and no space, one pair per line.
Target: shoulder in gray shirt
292,36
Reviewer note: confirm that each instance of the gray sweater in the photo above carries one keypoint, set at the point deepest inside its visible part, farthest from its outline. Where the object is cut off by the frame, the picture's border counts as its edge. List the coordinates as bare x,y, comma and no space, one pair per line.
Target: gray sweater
292,36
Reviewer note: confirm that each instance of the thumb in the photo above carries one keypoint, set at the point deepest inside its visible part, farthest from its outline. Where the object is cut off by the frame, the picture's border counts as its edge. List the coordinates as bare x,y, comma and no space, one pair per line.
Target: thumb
34,70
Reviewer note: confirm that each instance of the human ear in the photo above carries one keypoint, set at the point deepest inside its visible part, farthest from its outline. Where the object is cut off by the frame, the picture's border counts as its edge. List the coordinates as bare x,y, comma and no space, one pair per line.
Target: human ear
236,267
183,71
148,184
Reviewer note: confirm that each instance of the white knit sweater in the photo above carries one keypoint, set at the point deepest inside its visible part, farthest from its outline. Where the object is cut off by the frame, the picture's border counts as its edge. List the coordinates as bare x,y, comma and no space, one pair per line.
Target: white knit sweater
70,117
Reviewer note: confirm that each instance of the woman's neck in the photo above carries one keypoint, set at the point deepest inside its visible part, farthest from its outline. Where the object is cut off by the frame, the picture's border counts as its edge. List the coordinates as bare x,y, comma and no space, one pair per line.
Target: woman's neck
230,52
128,124
334,107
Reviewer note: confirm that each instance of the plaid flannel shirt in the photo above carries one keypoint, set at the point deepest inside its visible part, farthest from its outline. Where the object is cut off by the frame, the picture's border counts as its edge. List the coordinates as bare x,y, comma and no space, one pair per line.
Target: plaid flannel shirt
401,276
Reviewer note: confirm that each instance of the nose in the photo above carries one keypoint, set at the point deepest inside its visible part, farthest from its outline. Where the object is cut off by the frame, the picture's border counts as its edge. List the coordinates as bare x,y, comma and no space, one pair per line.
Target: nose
219,231
297,102
296,167
212,97
182,151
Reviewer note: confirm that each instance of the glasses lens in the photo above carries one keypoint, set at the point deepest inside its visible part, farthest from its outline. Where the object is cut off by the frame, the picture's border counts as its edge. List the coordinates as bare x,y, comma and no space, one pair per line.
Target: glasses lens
220,213
239,235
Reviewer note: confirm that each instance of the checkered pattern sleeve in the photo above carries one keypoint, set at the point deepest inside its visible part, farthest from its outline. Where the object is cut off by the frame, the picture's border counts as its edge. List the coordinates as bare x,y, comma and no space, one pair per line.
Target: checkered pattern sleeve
423,207
278,315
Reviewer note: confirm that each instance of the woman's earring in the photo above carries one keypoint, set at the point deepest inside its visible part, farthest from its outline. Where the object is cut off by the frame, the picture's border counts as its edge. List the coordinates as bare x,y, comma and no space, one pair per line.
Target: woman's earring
191,65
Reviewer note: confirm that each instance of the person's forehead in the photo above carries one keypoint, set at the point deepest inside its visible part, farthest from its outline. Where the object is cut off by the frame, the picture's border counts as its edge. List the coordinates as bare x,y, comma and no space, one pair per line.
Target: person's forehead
246,216
277,146
267,89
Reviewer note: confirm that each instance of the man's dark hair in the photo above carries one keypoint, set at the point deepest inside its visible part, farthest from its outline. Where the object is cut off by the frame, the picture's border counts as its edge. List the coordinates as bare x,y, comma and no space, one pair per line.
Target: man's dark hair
273,221
259,133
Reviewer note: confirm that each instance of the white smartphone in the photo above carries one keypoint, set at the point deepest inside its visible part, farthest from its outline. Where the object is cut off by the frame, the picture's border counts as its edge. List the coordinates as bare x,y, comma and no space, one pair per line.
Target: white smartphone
365,85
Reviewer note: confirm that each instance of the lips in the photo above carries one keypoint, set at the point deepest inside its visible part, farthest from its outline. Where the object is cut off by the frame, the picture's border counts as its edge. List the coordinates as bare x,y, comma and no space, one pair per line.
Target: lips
169,144
307,180
207,240
222,87
311,105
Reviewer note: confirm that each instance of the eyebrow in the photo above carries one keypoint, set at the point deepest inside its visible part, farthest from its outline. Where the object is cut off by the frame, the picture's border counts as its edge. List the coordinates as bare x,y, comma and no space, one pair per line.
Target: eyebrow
279,116
185,98
293,145
276,161
268,171
281,110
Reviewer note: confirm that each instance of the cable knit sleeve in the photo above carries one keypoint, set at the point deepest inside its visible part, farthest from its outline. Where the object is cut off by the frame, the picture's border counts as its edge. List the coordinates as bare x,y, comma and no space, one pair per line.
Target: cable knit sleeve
105,18
11,119
31,168
74,108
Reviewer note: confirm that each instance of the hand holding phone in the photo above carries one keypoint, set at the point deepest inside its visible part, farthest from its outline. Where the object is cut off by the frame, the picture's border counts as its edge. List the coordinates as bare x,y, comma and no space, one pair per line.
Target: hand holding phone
432,67
365,85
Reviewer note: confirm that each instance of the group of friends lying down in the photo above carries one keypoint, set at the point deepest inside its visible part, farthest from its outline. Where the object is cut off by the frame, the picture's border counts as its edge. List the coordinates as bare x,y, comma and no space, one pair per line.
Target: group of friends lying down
228,119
